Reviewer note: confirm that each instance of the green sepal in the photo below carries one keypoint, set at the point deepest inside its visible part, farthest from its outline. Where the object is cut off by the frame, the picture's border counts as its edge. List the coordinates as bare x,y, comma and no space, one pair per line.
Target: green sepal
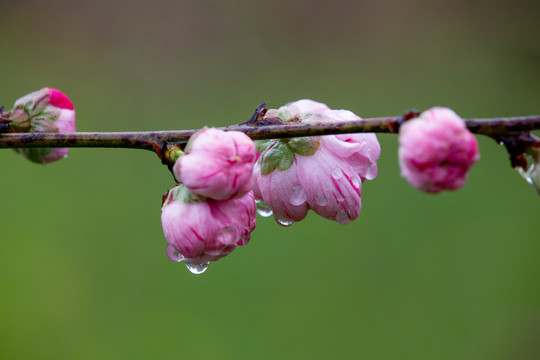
279,156
284,114
287,159
183,194
34,106
305,146
174,154
262,145
270,159
35,155
42,125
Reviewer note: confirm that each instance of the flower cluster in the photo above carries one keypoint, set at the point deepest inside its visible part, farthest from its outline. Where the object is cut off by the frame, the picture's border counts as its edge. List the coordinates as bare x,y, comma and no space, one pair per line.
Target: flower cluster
213,209
222,175
45,110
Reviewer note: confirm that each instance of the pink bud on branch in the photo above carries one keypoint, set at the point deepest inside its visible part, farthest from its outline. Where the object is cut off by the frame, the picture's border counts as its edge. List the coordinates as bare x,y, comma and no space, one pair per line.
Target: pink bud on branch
43,111
217,164
201,230
436,150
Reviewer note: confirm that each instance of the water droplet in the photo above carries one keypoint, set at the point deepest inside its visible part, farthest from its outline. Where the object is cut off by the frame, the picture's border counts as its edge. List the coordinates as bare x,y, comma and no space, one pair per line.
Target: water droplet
355,182
371,171
297,195
321,199
339,198
197,268
342,217
283,222
173,254
532,174
244,240
262,208
337,173
227,236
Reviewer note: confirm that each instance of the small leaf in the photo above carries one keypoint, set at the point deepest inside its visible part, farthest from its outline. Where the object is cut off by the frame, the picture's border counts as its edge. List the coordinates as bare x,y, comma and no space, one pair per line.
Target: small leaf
262,145
43,125
287,159
270,159
305,146
278,156
34,154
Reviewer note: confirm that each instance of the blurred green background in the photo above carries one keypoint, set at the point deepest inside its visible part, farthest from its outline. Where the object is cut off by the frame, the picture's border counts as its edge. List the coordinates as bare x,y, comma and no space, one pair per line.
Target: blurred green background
83,270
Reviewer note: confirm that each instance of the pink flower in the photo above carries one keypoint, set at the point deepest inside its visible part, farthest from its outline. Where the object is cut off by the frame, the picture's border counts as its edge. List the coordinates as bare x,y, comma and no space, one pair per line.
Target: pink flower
323,174
436,150
45,110
361,150
201,230
217,164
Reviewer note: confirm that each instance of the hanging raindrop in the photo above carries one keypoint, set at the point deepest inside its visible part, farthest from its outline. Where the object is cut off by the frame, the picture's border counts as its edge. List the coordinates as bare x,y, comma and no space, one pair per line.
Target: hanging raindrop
197,268
173,254
283,222
524,150
371,171
532,174
262,208
342,217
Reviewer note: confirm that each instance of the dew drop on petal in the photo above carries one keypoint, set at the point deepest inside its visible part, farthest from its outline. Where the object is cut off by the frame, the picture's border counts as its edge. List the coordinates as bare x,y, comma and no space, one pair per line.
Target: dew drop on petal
173,254
371,171
321,199
226,235
337,173
355,182
263,209
283,222
244,240
342,218
297,195
197,268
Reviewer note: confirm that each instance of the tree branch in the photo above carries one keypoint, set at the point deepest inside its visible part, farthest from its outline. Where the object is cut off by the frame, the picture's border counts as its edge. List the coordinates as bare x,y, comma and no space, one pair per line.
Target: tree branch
156,140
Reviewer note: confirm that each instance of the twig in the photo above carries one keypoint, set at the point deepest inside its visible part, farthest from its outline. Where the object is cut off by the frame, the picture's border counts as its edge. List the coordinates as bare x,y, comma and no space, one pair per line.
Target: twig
155,140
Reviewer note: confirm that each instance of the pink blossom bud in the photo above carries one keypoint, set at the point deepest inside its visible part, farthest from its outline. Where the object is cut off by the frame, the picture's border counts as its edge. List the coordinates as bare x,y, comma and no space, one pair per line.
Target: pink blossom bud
218,164
45,110
324,174
298,109
201,230
436,150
